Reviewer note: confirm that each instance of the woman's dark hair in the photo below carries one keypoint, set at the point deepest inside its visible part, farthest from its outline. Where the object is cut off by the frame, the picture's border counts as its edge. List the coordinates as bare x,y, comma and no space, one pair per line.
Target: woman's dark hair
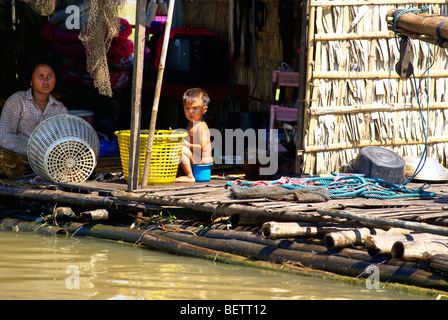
36,61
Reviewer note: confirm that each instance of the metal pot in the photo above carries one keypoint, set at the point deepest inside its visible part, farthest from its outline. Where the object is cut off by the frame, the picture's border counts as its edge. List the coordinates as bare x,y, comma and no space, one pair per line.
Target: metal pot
377,162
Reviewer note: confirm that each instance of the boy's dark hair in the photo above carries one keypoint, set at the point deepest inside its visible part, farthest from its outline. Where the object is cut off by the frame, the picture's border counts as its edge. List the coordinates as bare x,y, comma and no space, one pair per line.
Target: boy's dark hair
36,61
195,94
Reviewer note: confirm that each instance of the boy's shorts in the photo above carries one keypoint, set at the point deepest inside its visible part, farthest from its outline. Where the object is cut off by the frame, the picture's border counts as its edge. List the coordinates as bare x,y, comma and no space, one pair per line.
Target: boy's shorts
13,165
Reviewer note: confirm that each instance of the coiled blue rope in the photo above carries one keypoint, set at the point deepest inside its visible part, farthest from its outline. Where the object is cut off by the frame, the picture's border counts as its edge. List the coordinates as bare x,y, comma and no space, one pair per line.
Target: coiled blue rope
344,186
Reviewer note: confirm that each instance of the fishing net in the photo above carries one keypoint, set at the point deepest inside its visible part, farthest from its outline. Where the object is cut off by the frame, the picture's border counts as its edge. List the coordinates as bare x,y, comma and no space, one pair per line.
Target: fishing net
42,7
102,27
338,186
310,194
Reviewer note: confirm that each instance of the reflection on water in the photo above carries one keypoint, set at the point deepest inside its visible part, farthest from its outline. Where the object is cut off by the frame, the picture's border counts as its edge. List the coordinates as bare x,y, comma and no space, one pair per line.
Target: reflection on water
33,266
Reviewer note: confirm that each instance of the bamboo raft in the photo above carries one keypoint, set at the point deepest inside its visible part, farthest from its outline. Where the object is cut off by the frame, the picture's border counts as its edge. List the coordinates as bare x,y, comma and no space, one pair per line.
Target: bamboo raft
406,239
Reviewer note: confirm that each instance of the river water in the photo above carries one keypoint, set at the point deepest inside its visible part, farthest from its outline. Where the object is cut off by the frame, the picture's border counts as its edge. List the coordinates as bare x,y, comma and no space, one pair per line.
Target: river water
34,266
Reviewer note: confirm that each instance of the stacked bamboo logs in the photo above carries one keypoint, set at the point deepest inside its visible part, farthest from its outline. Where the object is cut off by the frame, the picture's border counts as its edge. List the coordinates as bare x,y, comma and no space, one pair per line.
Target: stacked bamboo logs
219,246
439,262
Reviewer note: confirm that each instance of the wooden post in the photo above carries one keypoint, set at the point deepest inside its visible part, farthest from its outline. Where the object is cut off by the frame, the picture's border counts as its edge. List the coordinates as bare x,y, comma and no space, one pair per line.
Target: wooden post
137,79
303,83
155,106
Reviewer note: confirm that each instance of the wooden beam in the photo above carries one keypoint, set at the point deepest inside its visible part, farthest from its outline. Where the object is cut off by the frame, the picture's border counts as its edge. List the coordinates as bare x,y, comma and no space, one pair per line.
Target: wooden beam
155,106
304,13
137,80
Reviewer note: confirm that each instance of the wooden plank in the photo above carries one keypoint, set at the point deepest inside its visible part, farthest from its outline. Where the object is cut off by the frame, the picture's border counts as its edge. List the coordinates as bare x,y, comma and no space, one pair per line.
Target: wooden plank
303,87
186,192
250,201
215,199
283,205
432,216
393,212
195,198
158,189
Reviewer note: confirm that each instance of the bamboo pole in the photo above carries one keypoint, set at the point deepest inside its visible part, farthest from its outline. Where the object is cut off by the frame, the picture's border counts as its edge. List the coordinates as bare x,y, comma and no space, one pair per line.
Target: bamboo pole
420,24
155,106
71,199
323,261
30,226
361,254
422,37
238,252
303,89
381,143
240,214
374,74
418,250
354,36
232,251
439,262
314,58
415,226
372,60
356,236
137,80
342,83
277,230
326,3
250,236
368,108
382,244
346,238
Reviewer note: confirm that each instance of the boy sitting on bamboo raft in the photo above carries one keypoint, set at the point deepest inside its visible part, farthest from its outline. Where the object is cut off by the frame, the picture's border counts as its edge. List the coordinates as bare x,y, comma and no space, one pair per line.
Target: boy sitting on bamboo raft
197,145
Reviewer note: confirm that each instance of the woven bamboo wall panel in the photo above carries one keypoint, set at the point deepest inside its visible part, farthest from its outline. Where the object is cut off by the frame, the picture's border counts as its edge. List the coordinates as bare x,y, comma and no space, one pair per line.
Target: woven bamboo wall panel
354,97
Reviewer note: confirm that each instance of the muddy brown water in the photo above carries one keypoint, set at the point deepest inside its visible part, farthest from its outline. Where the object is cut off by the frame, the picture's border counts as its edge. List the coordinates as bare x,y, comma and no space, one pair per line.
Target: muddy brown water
34,266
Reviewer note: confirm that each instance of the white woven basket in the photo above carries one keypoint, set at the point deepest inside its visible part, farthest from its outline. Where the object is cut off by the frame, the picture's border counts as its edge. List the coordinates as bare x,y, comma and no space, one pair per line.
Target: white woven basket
63,148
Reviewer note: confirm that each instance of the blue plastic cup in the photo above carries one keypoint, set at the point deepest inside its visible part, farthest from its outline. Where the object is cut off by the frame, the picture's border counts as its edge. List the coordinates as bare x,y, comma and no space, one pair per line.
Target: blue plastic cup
201,172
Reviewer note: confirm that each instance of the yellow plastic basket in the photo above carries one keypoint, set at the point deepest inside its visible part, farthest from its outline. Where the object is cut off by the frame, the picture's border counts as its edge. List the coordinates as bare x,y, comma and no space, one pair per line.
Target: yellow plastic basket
166,151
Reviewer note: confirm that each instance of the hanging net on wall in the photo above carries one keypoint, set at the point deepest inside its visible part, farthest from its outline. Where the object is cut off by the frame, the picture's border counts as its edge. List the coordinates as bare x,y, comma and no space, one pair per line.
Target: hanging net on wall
42,7
97,36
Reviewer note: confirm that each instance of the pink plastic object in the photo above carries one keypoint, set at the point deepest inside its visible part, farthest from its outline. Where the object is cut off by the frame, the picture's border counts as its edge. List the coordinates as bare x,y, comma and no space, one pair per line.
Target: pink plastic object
280,114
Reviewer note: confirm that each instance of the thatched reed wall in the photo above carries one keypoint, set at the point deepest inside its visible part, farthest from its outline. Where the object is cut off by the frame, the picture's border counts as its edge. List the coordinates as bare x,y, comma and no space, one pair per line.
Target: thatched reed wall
218,16
354,97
